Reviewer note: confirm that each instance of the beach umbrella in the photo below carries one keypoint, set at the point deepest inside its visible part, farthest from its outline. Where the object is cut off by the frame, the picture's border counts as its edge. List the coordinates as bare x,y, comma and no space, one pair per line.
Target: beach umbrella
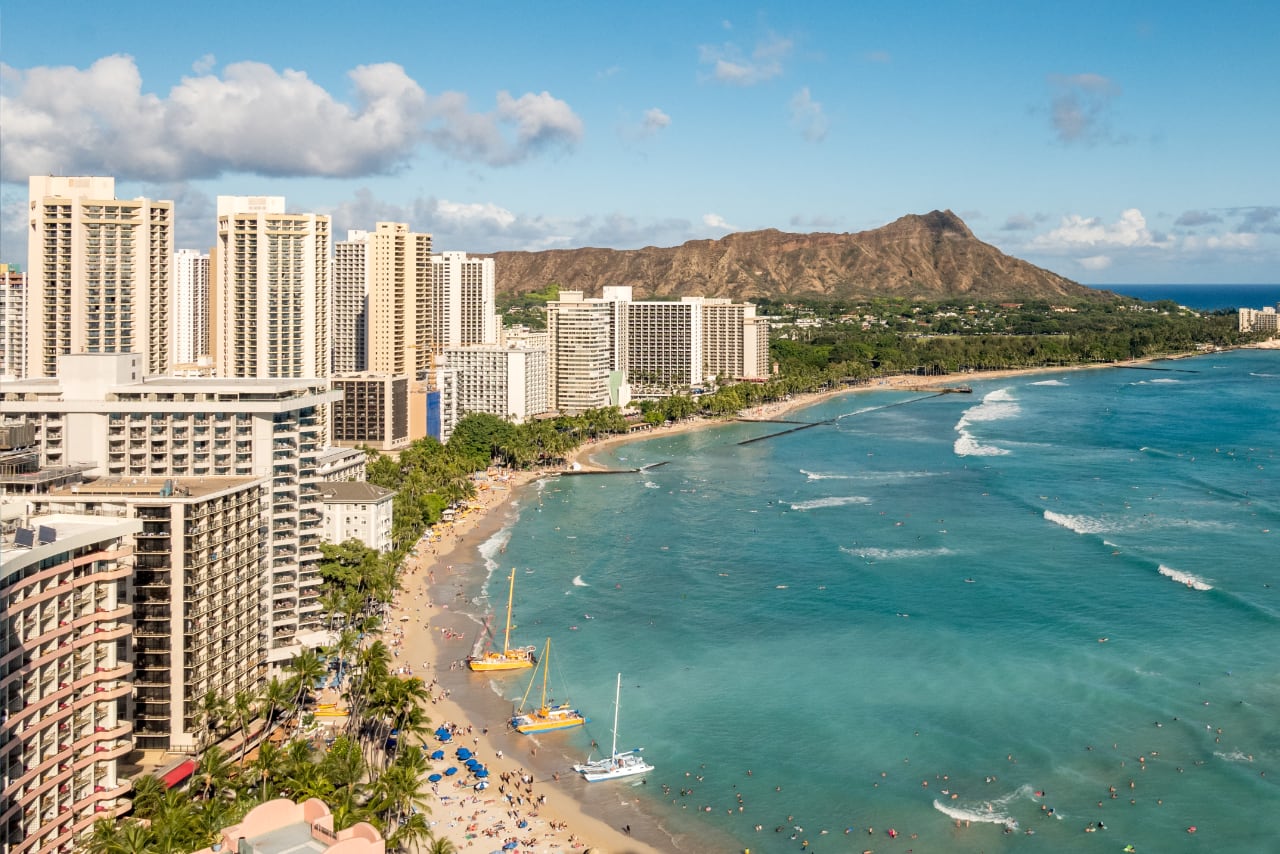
435,778
450,771
437,754
510,846
481,786
463,752
482,773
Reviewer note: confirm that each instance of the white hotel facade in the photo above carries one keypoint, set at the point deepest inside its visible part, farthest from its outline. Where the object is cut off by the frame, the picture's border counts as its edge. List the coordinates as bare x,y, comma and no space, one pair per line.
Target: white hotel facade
101,413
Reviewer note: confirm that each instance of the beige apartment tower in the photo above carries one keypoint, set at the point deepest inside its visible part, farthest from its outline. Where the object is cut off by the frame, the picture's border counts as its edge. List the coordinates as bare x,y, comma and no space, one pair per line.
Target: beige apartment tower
99,273
271,291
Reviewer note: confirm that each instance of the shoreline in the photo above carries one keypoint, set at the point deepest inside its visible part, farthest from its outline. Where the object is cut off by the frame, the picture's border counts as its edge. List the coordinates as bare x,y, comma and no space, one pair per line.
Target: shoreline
562,815
440,586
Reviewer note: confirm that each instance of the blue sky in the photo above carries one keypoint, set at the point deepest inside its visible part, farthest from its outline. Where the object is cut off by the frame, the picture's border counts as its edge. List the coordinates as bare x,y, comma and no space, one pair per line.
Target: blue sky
1110,142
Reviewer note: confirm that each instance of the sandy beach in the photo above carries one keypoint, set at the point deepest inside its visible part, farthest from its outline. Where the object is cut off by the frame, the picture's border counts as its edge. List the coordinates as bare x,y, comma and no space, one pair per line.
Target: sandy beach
431,642
534,799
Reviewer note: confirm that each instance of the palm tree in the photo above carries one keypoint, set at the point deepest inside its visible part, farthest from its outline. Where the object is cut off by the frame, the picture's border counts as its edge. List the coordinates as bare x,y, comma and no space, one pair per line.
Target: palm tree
307,669
174,826
131,837
343,764
244,705
441,845
266,766
213,772
214,709
275,698
398,791
412,832
148,791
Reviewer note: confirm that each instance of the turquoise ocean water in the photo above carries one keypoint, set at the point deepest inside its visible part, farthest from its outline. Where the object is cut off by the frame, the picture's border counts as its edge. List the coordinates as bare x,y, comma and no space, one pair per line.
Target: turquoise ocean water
1058,584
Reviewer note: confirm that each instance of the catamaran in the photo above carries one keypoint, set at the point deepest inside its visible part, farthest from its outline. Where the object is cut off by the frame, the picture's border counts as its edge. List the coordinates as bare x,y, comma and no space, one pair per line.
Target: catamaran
508,659
615,765
545,718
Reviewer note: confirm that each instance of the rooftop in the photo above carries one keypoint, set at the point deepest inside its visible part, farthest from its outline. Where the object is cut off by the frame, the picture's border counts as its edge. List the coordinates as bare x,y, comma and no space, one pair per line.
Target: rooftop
353,490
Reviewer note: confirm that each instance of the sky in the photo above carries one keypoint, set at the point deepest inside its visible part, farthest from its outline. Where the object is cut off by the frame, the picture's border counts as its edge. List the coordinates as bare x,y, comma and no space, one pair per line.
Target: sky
1109,142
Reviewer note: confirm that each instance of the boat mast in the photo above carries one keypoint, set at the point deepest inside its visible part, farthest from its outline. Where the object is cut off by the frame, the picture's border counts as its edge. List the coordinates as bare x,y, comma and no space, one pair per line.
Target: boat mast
617,697
511,592
546,665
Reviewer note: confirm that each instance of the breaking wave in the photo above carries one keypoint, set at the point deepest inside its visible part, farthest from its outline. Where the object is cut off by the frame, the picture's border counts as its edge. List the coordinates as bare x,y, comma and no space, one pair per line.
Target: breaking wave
1049,382
1079,524
834,501
895,554
996,406
1193,581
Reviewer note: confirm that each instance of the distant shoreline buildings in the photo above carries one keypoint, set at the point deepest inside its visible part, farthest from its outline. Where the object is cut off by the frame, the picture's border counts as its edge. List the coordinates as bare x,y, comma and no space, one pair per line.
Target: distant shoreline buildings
1263,320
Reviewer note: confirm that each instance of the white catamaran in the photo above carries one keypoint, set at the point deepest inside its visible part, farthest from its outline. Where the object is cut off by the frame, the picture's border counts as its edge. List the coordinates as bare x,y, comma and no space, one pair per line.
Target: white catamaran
615,765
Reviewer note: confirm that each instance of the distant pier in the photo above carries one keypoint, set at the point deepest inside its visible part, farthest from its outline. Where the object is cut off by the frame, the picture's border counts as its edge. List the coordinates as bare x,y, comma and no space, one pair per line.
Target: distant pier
613,471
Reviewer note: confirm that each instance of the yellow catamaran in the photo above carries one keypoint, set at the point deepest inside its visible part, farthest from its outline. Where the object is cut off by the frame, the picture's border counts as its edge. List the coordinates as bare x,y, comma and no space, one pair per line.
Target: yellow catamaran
545,718
508,659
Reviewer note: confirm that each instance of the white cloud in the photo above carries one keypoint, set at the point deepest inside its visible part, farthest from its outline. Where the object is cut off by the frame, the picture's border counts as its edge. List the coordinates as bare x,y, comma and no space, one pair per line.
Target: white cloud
1076,232
1094,262
483,226
807,116
1080,109
204,64
255,119
729,64
714,220
654,120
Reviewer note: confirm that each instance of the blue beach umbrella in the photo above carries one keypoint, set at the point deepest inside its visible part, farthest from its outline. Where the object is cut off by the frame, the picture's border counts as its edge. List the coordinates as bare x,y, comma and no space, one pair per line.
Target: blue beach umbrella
435,778
437,754
464,753
450,771
482,773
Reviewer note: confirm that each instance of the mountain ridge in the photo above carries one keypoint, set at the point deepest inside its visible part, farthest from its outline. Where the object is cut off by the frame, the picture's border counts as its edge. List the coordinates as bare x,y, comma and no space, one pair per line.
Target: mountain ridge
918,256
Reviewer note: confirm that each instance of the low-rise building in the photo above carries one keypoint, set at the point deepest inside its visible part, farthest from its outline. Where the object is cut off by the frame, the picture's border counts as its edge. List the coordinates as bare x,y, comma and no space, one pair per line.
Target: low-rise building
357,510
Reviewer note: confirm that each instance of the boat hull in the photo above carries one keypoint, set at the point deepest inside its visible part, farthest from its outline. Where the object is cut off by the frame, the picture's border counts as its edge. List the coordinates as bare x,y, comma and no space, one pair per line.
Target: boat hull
621,765
512,659
530,727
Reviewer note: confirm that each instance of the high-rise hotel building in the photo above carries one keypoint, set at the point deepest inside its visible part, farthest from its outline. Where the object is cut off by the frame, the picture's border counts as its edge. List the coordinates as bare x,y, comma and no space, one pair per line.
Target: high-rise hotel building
382,341
99,273
585,351
271,290
735,341
190,307
13,321
463,301
350,293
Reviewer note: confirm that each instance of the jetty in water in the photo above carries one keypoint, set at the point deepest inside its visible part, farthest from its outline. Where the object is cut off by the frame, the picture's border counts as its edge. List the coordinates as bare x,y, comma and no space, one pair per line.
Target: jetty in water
613,471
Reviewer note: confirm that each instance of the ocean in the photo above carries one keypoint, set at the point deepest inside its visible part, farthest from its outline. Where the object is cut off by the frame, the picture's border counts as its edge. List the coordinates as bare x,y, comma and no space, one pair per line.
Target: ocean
986,621
1203,297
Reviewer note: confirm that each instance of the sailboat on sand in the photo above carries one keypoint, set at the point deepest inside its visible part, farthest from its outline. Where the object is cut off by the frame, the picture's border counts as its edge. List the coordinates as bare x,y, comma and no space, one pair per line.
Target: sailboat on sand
508,659
615,765
544,718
